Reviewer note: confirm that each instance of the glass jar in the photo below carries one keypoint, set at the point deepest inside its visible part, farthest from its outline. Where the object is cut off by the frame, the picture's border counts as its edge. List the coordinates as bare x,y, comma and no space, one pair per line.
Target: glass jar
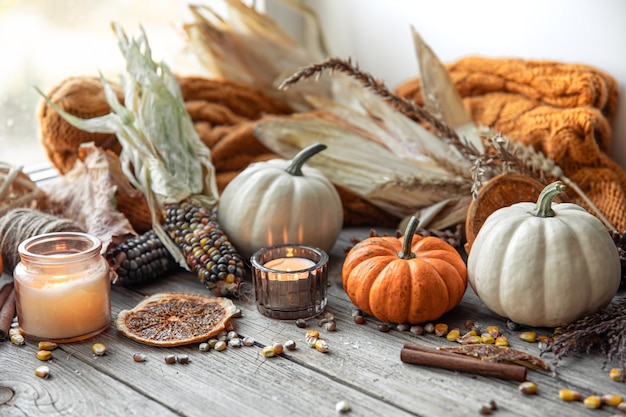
62,287
290,281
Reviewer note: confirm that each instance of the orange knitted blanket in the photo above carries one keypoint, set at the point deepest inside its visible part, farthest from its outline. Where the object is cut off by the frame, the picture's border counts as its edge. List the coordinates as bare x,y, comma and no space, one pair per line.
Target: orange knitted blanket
564,110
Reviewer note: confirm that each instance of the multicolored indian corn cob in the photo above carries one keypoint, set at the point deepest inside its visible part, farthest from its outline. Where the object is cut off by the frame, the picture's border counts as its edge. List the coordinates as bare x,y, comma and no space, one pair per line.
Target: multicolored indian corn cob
139,259
205,246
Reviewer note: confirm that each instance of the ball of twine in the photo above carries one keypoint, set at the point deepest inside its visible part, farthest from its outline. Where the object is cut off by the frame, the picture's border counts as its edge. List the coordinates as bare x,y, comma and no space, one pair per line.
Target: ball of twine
20,224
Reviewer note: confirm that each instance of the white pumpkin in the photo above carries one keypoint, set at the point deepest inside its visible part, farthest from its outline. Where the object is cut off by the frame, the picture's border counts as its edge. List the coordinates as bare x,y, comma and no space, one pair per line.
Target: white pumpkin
281,202
544,264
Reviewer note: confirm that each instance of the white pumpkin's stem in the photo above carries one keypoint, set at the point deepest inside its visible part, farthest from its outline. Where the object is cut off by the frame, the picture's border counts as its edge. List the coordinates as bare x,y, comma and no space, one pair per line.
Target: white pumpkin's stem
295,166
544,202
587,200
411,227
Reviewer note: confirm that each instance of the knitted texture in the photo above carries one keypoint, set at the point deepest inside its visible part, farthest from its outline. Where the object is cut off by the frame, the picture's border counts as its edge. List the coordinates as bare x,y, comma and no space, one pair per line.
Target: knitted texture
224,114
563,110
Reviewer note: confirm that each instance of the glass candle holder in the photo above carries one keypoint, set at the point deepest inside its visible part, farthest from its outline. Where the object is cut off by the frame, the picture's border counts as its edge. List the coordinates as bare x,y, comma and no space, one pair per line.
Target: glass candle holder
290,281
62,287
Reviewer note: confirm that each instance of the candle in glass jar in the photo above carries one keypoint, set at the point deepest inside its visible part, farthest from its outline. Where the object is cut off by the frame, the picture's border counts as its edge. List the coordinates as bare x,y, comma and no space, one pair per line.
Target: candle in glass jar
62,287
287,268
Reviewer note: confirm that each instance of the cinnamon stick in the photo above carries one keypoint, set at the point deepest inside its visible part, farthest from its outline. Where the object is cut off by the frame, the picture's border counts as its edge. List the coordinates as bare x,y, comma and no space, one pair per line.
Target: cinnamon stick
4,293
422,355
7,312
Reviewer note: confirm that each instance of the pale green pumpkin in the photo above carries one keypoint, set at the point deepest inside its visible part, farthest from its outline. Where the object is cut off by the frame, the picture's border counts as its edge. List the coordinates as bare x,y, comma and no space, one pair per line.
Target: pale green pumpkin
544,264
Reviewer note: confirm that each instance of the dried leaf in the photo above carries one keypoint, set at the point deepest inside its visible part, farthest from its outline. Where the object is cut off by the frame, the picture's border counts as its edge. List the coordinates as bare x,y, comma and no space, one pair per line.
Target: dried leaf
492,353
86,194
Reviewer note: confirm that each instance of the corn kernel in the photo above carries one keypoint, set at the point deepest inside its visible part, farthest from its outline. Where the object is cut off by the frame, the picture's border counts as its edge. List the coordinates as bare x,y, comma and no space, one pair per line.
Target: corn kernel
612,399
321,345
42,371
98,349
592,401
43,355
569,395
45,345
278,348
441,329
501,341
616,374
312,334
528,388
268,352
453,335
471,340
17,339
621,406
487,339
429,328
529,337
493,330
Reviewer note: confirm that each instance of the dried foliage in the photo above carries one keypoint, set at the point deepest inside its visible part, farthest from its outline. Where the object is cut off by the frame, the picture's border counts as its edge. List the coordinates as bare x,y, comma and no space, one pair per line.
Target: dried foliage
604,330
492,353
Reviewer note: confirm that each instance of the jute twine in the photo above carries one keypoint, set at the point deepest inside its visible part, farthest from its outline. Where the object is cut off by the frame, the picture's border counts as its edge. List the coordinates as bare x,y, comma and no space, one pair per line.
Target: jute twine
19,224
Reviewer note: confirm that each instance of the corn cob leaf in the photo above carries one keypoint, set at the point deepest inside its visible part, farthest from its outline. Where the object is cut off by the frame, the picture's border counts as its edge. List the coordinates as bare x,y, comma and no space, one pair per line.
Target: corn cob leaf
441,96
162,154
248,47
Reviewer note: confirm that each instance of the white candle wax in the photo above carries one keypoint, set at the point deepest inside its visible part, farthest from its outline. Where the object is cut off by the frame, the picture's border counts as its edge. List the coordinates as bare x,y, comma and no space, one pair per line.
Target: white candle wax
63,307
287,267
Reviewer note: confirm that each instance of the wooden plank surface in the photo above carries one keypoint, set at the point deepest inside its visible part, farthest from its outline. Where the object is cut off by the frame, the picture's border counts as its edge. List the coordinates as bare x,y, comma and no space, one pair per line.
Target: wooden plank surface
362,367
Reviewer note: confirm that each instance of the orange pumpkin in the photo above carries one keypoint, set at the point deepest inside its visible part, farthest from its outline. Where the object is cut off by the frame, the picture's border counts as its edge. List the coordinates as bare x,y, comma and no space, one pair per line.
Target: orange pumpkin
412,279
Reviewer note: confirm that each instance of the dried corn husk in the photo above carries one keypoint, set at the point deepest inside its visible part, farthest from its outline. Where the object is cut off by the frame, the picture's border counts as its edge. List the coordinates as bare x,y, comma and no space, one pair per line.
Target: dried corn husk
248,47
17,190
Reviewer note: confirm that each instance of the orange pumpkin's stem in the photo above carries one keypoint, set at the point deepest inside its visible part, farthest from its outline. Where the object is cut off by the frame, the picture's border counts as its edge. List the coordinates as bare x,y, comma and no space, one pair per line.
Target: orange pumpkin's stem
295,165
411,227
544,202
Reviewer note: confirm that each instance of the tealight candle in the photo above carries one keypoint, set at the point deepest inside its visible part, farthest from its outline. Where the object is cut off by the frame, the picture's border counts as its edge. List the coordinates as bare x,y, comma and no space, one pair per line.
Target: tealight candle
62,287
290,281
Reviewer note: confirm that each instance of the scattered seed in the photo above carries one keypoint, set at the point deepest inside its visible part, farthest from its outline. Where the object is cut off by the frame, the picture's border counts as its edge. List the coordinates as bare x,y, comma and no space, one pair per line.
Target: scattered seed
593,402
429,328
359,319
268,351
232,335
235,343
311,341
342,406
484,410
182,359
493,405
248,341
139,357
453,335
356,312
616,374
45,345
403,327
212,343
418,330
170,359
569,395
621,406
529,337
290,345
329,316
43,355
204,347
98,349
301,323
528,388
14,330
321,345
384,327
220,346
441,329
501,341
238,313
330,326
278,348
487,339
469,324
493,330
42,371
17,339
612,399
312,334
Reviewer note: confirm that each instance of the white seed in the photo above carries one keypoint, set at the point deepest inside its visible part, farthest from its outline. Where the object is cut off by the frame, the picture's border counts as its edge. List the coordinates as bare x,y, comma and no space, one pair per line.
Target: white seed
342,406
236,342
220,345
139,357
248,341
204,347
42,371
290,345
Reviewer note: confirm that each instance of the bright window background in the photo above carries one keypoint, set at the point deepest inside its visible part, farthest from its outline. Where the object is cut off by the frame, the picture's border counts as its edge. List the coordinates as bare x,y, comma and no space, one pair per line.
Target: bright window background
43,41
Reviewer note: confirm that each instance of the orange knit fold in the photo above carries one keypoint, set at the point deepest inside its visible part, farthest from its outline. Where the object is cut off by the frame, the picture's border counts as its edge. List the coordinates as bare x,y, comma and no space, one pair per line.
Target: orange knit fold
563,110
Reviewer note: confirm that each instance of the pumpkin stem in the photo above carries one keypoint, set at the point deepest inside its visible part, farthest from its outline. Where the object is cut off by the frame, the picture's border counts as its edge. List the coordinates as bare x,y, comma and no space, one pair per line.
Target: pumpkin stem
411,227
544,202
295,166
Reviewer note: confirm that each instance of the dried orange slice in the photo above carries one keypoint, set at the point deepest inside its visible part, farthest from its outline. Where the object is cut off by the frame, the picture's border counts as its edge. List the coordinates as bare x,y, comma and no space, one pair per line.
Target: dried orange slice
500,191
175,318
